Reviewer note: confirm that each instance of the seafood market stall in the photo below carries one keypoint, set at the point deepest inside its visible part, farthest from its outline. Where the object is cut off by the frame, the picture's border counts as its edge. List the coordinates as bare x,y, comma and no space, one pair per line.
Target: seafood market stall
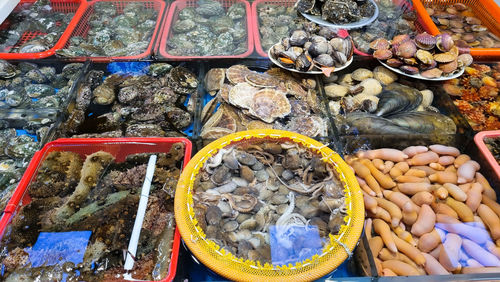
208,140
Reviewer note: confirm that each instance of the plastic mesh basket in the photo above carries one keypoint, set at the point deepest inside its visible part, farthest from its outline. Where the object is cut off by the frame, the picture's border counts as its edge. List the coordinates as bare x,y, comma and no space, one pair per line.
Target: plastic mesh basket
64,6
485,10
119,148
173,13
256,22
83,27
231,267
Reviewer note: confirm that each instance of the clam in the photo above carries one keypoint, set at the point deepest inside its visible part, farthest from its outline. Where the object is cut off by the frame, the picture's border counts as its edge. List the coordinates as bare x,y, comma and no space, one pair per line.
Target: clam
303,62
398,39
444,42
406,49
318,48
324,60
479,28
340,58
473,21
424,56
444,57
425,41
298,38
449,67
327,32
362,74
424,67
409,69
432,73
393,62
380,43
410,61
382,54
464,60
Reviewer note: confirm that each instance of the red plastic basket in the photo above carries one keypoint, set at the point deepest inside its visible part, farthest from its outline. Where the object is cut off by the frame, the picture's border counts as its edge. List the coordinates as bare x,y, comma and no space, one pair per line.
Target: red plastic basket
83,27
65,6
256,24
178,5
118,147
479,140
485,10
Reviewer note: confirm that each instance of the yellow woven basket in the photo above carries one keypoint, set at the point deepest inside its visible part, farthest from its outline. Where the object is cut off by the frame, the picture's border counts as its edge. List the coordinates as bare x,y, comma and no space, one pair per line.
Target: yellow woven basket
338,249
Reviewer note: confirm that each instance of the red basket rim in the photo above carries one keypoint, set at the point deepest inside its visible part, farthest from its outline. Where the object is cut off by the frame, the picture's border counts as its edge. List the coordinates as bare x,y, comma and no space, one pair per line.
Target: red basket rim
62,40
143,55
37,158
479,140
162,46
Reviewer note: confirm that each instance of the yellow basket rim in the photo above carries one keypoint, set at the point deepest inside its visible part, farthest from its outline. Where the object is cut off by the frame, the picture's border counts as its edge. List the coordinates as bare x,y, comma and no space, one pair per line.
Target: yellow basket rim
247,271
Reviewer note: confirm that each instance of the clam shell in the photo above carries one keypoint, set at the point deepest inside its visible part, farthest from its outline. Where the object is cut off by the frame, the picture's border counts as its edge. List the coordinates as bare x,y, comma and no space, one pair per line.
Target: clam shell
362,74
382,54
424,56
449,67
410,61
409,69
380,43
236,73
406,49
425,41
395,63
384,75
444,57
464,60
269,104
444,42
432,73
398,39
424,67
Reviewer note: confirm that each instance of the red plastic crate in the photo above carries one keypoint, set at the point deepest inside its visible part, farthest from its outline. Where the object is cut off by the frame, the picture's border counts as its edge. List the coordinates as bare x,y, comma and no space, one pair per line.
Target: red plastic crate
118,147
178,5
256,24
65,6
479,140
83,27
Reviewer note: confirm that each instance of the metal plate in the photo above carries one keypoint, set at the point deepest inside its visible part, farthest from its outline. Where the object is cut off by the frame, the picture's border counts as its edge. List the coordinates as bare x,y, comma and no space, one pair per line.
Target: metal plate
418,76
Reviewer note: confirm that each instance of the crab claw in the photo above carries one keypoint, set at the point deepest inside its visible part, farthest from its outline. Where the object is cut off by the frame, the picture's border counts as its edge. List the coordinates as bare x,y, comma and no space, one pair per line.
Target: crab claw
327,70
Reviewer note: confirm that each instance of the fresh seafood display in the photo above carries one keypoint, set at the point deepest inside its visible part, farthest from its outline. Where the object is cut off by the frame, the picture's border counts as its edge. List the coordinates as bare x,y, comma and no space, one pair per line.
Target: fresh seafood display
39,18
493,144
427,55
372,102
392,20
209,29
337,11
30,86
276,22
113,31
253,100
475,94
430,211
148,104
97,196
313,48
14,158
259,200
462,24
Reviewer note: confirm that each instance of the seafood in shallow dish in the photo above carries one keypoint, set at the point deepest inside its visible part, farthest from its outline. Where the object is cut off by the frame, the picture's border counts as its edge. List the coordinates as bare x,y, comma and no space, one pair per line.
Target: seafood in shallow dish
372,102
209,29
462,24
253,100
95,193
337,11
313,48
427,55
40,19
113,33
251,198
392,20
151,103
493,144
475,94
